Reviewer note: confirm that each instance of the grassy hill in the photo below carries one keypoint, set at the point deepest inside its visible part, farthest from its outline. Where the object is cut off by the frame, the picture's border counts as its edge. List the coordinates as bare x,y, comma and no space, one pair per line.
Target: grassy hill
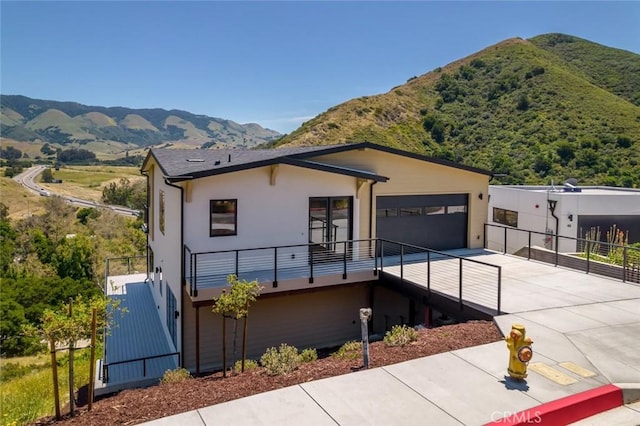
64,124
552,107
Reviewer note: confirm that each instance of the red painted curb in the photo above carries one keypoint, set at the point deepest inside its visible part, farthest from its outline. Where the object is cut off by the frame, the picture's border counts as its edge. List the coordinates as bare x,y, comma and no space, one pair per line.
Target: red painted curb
567,410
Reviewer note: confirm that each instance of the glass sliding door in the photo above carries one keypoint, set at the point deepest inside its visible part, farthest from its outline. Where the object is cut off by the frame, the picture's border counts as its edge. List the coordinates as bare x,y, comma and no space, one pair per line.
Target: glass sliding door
330,220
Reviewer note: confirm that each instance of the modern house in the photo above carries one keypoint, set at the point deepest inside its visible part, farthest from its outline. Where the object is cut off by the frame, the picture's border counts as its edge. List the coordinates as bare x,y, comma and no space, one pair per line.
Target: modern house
308,223
568,210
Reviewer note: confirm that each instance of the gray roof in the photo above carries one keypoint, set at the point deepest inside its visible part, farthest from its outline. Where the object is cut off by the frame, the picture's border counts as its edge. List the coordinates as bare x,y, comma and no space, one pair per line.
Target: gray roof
184,164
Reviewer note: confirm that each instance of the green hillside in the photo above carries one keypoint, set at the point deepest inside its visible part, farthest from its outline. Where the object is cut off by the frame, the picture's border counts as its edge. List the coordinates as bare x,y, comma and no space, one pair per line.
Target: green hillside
70,123
531,111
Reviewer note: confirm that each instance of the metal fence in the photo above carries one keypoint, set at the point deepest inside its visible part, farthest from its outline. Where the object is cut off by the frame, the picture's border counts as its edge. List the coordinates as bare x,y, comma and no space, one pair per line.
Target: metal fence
461,278
590,256
272,264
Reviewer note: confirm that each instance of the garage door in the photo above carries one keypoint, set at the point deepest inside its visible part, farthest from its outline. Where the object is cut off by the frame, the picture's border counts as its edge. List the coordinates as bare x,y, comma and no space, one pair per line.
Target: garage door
434,221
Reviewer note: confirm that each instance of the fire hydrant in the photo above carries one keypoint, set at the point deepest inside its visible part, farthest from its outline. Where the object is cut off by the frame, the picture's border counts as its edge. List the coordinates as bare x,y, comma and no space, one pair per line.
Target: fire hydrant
520,352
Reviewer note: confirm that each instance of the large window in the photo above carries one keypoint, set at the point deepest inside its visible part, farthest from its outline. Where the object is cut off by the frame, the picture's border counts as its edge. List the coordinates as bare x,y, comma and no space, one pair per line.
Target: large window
224,217
505,217
161,224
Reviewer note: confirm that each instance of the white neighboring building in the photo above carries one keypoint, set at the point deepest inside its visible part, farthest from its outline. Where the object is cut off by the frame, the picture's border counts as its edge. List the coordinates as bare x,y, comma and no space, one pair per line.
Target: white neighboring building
576,211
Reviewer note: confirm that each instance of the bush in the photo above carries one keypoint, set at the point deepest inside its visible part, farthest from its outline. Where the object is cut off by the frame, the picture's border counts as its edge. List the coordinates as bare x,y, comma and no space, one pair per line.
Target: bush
175,376
400,335
283,360
308,355
249,364
350,350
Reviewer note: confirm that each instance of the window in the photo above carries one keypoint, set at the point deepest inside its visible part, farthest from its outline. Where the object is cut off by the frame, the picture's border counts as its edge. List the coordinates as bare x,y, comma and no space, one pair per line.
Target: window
505,217
161,224
387,212
457,209
224,217
434,210
410,211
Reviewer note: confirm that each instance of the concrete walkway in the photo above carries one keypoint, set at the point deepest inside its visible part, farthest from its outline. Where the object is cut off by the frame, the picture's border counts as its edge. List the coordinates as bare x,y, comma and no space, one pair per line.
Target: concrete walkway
585,331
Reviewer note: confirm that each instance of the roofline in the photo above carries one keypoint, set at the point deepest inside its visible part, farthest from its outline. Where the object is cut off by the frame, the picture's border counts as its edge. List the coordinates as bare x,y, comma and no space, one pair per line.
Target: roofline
291,159
146,160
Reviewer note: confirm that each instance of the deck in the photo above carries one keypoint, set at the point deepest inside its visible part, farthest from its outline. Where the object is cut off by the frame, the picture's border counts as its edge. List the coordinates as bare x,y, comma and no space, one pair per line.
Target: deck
137,333
525,285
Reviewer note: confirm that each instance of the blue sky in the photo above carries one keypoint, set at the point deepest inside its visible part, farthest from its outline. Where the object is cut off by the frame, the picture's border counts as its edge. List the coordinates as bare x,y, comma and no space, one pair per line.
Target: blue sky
274,63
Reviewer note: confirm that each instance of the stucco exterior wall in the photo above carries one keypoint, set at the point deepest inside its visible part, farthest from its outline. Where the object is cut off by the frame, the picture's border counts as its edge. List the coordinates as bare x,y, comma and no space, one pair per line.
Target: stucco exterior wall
166,248
531,203
408,176
268,215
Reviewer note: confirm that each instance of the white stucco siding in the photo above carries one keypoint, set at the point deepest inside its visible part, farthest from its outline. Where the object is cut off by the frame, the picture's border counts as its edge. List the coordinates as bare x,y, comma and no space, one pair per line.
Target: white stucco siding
532,206
166,248
533,214
267,215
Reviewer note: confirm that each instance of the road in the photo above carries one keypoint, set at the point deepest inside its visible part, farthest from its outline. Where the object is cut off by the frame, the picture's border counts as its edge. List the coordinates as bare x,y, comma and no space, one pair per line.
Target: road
27,179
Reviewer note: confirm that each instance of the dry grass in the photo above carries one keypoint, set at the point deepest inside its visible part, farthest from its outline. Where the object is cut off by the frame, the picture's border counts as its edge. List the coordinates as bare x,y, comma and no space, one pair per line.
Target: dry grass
21,202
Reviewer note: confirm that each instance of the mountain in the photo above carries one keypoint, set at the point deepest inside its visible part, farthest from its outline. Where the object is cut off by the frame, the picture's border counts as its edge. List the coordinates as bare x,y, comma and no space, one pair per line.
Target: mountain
532,111
70,123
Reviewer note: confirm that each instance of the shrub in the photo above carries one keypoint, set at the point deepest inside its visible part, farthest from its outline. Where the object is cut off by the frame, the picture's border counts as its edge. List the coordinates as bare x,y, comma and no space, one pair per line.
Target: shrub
283,360
175,376
308,355
249,364
350,350
400,335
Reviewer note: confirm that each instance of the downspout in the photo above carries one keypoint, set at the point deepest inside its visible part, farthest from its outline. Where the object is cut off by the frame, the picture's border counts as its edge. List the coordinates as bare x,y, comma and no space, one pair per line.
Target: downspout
552,209
371,208
166,180
371,213
146,175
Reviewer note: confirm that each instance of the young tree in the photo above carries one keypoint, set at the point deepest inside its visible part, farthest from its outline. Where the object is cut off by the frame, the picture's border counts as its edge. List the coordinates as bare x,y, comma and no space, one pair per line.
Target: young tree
235,304
72,323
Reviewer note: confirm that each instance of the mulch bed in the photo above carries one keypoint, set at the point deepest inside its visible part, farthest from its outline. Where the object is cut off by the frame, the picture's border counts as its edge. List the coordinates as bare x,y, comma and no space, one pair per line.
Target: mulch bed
135,406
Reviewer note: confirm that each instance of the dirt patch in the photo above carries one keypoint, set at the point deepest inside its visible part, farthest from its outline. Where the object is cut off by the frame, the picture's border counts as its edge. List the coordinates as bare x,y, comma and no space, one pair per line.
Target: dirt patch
140,405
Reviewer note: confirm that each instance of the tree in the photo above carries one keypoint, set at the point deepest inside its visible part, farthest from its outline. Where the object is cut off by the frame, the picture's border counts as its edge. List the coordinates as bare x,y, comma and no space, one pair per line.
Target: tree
235,304
72,323
566,152
47,175
74,258
523,103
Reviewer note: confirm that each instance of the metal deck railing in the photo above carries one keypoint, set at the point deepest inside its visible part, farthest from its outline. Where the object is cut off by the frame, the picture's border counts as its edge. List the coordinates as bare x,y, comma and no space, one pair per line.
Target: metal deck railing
472,279
590,256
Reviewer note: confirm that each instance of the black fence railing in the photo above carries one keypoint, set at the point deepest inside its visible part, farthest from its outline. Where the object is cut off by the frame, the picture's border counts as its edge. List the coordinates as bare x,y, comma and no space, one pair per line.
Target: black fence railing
473,279
590,256
462,278
272,264
143,365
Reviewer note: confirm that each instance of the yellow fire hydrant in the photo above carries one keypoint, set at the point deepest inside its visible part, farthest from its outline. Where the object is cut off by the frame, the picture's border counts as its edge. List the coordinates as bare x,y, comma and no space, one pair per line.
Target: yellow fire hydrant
520,352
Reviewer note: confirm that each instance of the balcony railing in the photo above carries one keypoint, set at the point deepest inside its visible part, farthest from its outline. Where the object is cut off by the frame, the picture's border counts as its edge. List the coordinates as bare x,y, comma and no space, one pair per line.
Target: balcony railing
461,278
590,256
308,261
272,264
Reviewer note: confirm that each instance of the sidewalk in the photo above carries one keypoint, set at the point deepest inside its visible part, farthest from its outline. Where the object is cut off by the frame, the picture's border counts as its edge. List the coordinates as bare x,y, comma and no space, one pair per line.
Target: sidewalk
577,347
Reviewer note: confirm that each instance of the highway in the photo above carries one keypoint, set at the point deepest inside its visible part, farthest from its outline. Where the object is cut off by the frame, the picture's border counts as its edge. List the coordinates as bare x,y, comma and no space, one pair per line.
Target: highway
27,179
